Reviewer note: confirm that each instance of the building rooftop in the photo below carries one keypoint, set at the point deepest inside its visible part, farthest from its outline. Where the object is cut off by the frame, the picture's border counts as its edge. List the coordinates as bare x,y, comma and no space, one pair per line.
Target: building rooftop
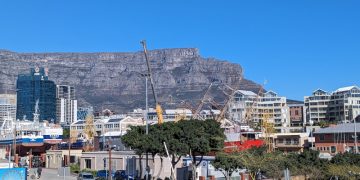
79,122
294,102
247,93
178,111
348,88
340,128
114,120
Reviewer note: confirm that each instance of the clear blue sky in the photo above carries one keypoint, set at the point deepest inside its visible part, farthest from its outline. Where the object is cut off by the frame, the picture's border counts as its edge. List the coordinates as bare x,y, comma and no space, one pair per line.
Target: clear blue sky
297,46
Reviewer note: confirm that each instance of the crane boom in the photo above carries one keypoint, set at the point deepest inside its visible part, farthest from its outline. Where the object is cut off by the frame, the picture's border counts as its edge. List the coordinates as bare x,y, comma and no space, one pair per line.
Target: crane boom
158,108
199,108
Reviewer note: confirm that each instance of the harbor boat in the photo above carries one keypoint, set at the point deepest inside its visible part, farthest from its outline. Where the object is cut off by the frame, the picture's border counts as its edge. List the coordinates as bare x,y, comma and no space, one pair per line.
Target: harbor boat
52,133
25,136
29,137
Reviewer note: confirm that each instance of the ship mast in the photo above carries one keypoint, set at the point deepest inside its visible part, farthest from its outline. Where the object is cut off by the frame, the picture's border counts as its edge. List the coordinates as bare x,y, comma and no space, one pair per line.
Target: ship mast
36,113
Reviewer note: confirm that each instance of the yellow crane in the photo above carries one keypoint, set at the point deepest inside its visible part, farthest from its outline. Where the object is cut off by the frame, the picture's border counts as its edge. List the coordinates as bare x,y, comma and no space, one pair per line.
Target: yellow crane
158,108
268,130
89,132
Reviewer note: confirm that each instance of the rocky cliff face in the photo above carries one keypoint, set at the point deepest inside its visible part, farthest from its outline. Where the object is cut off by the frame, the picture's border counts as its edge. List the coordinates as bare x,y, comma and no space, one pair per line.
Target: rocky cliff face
114,80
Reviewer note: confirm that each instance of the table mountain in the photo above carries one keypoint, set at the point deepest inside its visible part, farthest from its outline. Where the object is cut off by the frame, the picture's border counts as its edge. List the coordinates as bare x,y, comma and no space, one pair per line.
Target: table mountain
112,80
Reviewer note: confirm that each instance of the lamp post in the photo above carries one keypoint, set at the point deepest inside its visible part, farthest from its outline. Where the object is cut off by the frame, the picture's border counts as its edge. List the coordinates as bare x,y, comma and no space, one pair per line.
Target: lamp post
68,163
110,148
146,75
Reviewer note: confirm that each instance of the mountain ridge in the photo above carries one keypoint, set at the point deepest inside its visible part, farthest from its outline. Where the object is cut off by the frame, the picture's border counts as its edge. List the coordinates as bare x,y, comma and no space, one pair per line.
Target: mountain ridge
113,79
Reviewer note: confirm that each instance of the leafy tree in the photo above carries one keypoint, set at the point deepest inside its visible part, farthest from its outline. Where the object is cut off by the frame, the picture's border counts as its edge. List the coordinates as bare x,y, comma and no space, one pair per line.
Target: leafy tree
201,138
344,171
136,139
66,133
346,158
194,137
227,163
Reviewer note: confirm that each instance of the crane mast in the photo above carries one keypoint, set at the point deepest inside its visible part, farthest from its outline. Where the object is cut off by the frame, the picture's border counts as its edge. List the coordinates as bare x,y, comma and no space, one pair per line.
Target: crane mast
158,108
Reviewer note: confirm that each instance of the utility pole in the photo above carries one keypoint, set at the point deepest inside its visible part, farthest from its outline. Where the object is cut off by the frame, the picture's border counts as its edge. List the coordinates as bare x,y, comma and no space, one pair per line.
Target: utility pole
147,125
110,173
9,156
15,133
68,159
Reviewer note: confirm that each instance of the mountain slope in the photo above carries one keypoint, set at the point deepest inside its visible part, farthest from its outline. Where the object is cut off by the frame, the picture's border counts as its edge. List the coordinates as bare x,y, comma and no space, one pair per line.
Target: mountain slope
114,81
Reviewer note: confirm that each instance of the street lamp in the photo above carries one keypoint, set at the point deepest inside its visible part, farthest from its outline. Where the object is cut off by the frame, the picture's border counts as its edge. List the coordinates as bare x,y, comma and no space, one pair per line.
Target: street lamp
146,75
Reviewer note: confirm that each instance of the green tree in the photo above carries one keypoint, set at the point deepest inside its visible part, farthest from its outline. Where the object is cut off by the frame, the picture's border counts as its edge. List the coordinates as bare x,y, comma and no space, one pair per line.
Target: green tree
66,133
136,139
227,163
201,137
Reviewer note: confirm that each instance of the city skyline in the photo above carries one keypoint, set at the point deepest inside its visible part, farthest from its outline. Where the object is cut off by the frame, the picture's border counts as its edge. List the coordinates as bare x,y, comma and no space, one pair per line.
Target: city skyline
297,47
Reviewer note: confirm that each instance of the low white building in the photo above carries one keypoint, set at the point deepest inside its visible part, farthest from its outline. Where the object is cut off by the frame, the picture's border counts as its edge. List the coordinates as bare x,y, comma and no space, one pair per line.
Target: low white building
104,125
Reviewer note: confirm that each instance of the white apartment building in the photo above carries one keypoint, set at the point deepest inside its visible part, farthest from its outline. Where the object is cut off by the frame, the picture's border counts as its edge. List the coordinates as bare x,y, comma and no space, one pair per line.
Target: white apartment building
7,106
269,106
343,105
66,104
316,106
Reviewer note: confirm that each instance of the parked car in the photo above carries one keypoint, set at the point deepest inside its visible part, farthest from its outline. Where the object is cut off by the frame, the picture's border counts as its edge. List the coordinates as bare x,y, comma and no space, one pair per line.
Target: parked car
102,174
85,176
121,175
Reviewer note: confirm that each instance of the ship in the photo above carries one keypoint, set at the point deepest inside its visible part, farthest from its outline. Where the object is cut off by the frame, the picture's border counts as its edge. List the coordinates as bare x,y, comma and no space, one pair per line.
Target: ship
25,136
52,133
29,137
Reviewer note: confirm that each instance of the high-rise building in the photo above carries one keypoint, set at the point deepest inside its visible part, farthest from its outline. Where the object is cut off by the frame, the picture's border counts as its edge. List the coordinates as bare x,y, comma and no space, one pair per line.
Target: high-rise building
35,87
269,105
66,104
343,105
7,106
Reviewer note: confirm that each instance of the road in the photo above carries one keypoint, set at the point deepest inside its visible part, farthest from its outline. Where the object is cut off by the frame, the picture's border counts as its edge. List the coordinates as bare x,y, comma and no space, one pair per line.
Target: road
51,174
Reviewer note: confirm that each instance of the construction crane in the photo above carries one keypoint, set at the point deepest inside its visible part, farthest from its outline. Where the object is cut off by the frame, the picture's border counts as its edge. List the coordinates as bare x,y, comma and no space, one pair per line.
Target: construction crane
250,111
158,108
201,104
221,116
267,130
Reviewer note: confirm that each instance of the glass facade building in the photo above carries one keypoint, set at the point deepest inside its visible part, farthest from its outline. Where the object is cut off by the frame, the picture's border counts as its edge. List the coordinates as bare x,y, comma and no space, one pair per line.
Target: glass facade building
36,87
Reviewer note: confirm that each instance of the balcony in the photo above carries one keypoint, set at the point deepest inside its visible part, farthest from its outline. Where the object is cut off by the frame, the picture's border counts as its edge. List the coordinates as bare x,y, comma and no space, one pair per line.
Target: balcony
289,144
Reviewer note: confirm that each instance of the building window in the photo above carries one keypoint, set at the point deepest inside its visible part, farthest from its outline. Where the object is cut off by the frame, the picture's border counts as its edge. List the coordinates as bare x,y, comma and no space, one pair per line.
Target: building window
288,141
88,163
72,159
333,149
296,141
322,137
296,112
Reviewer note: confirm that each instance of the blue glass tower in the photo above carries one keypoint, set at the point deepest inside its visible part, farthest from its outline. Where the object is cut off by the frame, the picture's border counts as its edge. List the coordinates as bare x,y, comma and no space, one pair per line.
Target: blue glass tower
32,87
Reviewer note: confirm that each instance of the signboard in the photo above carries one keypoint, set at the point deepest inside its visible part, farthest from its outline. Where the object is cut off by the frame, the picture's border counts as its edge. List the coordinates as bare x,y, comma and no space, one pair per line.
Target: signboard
13,174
